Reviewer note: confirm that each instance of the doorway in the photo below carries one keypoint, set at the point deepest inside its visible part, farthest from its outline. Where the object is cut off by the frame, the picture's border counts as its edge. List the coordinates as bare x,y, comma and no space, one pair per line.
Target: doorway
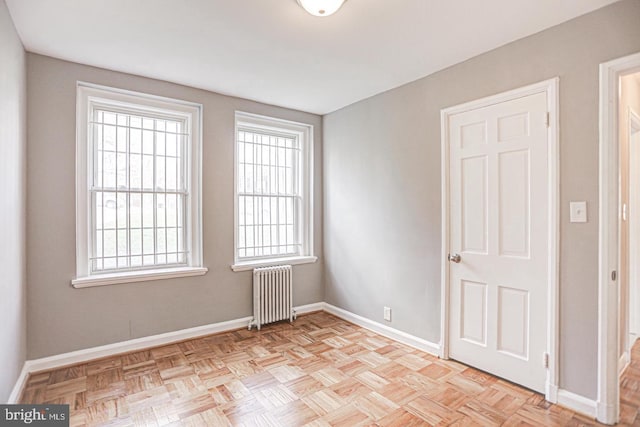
499,261
631,95
615,220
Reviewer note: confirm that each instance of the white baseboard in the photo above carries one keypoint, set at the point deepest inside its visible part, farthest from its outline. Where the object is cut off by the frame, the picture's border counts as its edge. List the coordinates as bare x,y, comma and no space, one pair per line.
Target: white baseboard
387,331
606,414
551,392
137,344
21,383
79,356
309,308
577,403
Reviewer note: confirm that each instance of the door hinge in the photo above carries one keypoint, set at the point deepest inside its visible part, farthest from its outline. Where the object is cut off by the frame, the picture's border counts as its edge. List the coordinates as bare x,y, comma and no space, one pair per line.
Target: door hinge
547,119
545,360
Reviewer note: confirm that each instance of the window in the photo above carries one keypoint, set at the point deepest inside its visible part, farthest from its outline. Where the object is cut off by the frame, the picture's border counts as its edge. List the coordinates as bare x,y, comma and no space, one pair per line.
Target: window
273,203
138,187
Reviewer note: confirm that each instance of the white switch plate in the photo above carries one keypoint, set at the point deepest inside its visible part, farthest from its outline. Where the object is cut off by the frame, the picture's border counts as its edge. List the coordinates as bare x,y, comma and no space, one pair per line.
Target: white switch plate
578,211
387,314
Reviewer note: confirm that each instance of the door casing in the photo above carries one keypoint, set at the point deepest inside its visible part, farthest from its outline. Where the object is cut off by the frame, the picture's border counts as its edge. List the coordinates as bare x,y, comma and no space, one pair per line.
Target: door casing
550,87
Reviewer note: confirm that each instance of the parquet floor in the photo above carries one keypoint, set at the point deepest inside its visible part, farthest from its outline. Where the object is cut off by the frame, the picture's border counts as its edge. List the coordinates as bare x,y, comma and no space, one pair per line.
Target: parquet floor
320,371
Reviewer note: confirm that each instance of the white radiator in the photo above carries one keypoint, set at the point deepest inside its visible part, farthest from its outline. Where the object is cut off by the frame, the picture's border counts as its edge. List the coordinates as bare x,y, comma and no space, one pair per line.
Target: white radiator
272,295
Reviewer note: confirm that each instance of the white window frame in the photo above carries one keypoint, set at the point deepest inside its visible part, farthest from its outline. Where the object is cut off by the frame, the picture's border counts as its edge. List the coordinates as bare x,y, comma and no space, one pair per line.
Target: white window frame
90,96
304,133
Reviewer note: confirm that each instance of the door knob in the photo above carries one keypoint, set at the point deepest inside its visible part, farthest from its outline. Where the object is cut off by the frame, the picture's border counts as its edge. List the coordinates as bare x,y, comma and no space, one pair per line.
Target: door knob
454,258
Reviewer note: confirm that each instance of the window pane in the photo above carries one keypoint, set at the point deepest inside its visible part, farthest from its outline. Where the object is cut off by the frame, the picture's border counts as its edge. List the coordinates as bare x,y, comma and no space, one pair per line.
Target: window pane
136,140
180,233
109,141
109,243
147,241
172,145
170,173
109,169
122,243
171,210
136,241
172,239
135,210
122,170
122,139
160,239
109,210
147,210
135,171
110,263
147,142
97,209
161,212
160,142
147,172
267,194
136,122
121,211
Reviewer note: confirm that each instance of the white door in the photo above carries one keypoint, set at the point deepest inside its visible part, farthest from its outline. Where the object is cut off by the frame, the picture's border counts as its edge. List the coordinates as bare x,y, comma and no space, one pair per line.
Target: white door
499,227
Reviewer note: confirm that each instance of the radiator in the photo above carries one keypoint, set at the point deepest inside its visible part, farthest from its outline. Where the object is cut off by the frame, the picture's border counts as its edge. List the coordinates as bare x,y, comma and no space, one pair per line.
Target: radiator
272,295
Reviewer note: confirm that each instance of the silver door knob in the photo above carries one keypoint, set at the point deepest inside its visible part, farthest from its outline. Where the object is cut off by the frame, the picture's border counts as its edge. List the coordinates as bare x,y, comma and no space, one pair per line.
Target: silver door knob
454,258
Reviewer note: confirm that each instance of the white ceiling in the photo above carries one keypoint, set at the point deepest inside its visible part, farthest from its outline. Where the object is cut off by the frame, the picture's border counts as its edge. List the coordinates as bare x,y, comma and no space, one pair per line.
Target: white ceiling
273,51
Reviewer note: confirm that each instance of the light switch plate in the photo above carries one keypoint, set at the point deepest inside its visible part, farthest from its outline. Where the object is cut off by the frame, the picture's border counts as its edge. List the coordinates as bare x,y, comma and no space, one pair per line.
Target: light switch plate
578,211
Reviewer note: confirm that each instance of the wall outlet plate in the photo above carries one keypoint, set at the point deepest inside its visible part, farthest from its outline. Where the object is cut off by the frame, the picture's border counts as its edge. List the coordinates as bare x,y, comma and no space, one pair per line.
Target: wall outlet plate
578,211
387,314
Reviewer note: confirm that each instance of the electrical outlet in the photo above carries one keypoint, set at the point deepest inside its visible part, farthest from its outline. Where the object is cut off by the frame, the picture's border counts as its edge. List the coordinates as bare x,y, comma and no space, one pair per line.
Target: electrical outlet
387,314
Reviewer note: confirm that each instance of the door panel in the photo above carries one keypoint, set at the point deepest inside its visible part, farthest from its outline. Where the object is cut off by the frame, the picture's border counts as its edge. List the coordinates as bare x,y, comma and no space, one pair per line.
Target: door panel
473,315
498,176
513,321
513,196
474,204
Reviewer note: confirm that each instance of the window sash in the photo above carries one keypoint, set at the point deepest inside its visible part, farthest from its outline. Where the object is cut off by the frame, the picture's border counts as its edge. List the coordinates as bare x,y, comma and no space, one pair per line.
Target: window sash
178,255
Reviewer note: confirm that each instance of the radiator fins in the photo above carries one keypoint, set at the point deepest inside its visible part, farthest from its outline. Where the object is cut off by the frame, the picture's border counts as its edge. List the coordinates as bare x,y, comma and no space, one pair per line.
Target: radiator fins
272,295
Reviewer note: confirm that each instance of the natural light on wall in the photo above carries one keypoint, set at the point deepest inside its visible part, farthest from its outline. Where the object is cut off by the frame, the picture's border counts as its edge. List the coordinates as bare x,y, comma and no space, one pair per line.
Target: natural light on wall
321,7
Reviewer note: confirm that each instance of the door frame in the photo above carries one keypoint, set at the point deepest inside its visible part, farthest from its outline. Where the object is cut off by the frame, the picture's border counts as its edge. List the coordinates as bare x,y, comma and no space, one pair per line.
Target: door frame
550,87
608,401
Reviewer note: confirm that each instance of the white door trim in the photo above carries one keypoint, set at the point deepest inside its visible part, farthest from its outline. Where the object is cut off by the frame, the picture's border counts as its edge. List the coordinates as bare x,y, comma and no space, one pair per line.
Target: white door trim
550,87
608,384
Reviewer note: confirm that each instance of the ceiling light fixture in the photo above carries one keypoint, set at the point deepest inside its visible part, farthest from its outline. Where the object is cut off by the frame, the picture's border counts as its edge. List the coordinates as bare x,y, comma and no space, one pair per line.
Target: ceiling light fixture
321,7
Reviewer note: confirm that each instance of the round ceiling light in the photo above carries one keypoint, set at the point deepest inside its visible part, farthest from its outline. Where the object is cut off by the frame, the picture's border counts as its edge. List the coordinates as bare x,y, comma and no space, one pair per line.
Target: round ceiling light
321,7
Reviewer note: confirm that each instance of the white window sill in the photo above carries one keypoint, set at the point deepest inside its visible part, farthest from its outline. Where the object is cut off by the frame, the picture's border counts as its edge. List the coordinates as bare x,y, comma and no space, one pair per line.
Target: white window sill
137,276
250,265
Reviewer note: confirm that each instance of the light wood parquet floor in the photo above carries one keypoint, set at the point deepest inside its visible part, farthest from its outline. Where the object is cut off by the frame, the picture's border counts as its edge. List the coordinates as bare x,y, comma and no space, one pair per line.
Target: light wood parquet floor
318,371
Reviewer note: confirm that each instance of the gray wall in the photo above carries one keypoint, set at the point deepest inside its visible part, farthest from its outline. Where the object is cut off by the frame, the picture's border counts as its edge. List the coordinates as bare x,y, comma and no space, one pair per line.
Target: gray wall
63,319
13,141
382,182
